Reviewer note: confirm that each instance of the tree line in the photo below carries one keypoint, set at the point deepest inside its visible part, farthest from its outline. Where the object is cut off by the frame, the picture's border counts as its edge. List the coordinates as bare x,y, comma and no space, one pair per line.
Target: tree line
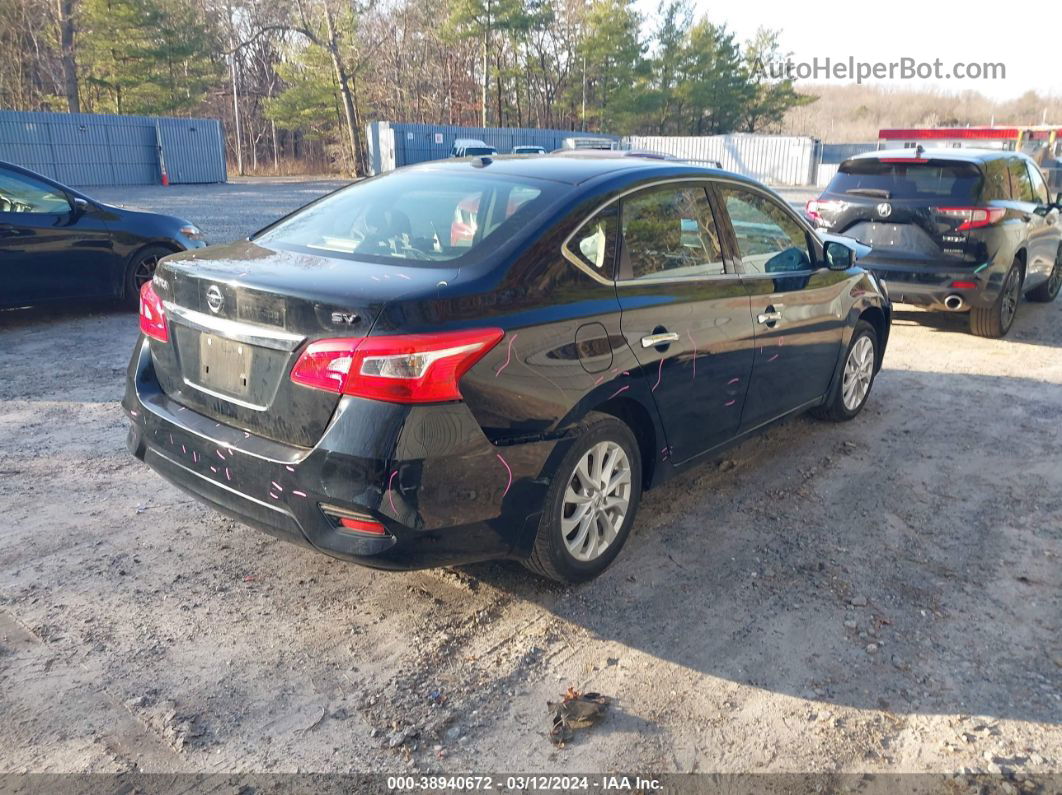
295,81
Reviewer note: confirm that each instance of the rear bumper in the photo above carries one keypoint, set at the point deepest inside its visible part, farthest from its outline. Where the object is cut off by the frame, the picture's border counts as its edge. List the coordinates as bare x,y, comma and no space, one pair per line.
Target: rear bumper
442,491
930,285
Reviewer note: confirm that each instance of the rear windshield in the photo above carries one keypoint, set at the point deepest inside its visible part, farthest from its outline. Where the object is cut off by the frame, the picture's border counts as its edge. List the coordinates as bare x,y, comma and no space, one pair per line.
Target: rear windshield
479,150
935,179
418,216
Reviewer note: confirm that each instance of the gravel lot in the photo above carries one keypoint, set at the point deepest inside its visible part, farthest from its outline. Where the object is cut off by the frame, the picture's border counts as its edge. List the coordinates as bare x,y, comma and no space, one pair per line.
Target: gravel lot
884,595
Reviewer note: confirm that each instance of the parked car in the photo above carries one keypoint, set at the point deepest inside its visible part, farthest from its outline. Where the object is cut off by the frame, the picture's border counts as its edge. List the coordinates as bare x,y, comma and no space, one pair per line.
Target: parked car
351,379
57,244
959,230
529,150
471,147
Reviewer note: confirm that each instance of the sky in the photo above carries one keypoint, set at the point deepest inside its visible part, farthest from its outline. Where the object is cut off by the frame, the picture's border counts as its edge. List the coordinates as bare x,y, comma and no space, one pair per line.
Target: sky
955,31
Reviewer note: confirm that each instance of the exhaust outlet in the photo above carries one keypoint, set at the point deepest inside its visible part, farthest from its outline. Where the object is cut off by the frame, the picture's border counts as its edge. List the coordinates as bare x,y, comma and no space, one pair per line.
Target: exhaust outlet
954,302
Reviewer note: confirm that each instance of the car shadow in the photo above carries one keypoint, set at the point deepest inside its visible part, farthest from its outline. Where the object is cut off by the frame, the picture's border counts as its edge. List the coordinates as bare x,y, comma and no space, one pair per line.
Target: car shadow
895,562
1036,323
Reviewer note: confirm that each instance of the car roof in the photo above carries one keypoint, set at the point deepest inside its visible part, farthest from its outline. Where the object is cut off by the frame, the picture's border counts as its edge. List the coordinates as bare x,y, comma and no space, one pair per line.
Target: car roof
965,155
575,167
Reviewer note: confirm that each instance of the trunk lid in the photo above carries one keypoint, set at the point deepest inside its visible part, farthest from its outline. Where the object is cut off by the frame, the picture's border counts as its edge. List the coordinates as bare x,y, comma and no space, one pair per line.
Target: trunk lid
239,316
907,209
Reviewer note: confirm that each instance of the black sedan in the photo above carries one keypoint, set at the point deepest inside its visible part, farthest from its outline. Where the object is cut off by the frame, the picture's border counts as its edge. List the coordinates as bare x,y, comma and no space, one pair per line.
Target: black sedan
492,358
58,244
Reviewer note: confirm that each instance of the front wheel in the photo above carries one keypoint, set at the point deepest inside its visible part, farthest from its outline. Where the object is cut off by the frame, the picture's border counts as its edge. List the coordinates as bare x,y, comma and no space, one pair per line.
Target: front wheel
1047,291
995,320
591,503
852,389
141,269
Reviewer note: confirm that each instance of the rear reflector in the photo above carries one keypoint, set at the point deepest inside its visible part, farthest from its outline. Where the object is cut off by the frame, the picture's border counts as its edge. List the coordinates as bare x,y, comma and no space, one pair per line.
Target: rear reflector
972,217
964,285
152,315
362,526
403,368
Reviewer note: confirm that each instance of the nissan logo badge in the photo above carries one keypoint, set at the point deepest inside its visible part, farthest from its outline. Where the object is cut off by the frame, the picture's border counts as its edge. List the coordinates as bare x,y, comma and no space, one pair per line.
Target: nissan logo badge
215,298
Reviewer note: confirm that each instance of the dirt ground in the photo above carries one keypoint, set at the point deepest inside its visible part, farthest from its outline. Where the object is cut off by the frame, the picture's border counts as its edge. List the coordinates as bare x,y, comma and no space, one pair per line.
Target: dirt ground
882,595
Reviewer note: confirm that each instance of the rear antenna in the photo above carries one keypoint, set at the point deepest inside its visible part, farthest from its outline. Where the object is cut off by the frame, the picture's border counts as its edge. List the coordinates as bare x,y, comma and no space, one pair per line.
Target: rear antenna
481,162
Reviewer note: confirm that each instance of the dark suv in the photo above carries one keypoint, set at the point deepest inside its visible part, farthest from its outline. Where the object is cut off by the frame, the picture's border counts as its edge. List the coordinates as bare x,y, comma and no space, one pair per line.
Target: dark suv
399,383
957,230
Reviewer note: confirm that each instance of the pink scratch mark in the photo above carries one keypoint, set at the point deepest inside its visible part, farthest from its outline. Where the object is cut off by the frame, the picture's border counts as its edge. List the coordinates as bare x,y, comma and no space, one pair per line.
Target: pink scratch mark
289,468
508,354
274,496
183,450
730,403
659,375
171,438
774,357
213,469
507,469
732,381
600,378
134,412
402,276
228,475
694,344
299,493
390,493
246,435
621,389
220,454
195,457
276,485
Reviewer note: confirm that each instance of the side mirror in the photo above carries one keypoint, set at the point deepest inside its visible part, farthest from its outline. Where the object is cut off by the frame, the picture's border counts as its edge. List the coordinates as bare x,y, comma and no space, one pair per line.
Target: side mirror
78,206
838,256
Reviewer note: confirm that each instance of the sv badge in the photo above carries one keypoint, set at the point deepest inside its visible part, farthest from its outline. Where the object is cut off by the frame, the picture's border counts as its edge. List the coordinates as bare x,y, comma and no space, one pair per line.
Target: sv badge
345,318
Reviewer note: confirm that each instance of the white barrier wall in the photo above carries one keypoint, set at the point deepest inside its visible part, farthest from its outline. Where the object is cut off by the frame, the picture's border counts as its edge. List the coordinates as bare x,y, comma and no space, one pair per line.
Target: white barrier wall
774,159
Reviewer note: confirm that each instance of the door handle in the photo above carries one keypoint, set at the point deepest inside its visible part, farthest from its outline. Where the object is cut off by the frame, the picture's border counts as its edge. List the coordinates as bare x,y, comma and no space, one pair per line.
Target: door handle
770,317
659,339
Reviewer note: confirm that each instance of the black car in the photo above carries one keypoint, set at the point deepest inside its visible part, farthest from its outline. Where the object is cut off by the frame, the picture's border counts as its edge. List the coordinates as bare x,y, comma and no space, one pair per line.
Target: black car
492,358
960,230
58,244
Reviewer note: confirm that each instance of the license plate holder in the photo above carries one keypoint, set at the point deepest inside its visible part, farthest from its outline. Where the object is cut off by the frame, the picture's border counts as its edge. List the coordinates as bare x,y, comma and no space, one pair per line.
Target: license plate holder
225,365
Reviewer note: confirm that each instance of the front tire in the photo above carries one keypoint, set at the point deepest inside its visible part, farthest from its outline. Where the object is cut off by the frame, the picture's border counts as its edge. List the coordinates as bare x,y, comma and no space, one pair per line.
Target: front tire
852,389
141,269
995,321
591,503
1047,291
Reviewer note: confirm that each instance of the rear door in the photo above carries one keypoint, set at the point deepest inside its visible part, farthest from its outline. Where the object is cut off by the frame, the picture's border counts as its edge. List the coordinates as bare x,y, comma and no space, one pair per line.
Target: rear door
47,250
798,308
685,314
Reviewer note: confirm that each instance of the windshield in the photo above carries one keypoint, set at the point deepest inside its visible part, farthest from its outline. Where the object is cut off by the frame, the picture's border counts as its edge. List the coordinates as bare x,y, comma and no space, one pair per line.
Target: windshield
429,217
933,179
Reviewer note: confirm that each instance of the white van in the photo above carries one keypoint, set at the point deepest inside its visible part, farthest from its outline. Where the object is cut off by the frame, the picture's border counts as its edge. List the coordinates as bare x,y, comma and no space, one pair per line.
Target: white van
471,147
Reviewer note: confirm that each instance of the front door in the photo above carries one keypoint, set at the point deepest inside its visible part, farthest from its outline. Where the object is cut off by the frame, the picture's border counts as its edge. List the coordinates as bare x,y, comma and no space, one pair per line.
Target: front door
685,315
797,308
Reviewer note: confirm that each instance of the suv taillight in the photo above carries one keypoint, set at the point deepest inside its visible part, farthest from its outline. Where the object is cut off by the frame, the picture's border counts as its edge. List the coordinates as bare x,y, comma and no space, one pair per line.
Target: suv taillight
972,217
403,368
152,315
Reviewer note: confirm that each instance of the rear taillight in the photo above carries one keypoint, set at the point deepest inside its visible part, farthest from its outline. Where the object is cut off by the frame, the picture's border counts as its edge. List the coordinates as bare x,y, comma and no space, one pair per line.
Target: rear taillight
972,217
404,368
814,209
152,315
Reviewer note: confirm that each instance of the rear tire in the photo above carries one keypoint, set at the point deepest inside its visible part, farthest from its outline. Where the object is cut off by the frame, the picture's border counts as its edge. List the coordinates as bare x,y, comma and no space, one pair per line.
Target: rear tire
995,321
852,389
586,522
139,270
1047,291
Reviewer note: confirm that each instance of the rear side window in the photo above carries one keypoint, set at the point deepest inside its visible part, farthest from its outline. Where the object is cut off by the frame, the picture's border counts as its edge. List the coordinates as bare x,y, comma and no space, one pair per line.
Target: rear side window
935,180
997,180
594,243
769,239
1039,187
420,217
1020,183
668,233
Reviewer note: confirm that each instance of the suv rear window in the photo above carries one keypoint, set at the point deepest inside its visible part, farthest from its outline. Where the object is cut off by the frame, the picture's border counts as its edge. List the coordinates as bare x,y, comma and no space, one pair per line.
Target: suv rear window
415,217
935,179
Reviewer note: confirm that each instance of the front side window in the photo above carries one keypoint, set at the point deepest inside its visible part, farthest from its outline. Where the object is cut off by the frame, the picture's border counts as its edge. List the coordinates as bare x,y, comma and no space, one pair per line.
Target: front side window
22,194
668,233
419,217
769,239
997,180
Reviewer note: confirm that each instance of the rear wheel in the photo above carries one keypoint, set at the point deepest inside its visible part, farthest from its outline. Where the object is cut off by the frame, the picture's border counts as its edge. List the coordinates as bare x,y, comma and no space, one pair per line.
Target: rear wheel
1047,291
995,320
852,389
591,503
140,270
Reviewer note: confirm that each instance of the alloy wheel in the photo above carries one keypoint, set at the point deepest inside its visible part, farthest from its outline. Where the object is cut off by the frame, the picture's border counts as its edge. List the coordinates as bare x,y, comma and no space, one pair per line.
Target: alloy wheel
596,501
1008,306
144,271
858,373
1055,281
